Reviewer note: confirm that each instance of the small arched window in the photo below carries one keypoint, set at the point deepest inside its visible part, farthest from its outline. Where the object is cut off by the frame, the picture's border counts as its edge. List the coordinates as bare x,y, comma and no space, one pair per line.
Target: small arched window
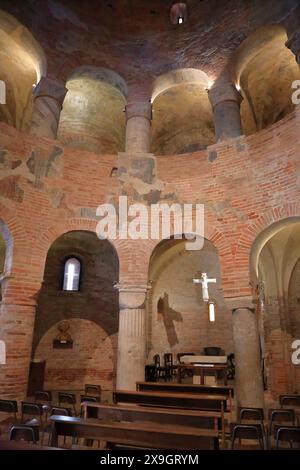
72,274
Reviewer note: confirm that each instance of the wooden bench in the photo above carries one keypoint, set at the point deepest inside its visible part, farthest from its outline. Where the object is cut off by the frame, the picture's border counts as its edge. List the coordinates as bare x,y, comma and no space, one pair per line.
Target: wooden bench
146,435
186,401
133,413
187,388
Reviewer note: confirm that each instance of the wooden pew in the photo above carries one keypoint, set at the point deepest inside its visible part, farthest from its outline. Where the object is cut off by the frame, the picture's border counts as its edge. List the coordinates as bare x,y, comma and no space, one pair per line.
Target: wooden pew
187,388
133,413
147,435
186,401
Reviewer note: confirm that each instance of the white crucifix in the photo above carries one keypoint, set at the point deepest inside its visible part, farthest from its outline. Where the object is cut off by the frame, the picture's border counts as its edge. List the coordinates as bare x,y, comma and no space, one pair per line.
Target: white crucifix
204,281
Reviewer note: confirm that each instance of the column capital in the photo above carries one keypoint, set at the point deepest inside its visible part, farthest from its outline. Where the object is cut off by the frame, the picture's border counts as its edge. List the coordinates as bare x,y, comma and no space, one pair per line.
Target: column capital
236,303
47,87
293,43
139,109
221,92
132,295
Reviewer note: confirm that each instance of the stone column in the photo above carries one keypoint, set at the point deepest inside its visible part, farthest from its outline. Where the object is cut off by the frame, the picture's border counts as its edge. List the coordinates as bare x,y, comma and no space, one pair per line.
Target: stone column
48,98
226,100
248,373
293,43
132,336
16,330
138,125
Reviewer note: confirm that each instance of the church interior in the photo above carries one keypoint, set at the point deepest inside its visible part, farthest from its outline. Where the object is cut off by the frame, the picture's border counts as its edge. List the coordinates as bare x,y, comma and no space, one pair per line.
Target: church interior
138,342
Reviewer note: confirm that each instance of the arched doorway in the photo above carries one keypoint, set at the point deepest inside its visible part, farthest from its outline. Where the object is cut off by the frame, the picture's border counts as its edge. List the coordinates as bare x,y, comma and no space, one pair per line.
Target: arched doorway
85,312
275,260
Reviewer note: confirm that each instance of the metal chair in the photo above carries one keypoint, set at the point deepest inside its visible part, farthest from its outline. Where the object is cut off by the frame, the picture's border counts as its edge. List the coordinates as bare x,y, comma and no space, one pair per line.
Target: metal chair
290,434
293,401
9,406
57,411
45,399
247,431
68,398
89,398
170,368
281,417
32,409
90,389
24,433
160,370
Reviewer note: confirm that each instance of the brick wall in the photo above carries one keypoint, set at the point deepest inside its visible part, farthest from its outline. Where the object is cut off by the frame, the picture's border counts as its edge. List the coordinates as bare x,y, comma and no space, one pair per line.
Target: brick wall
246,184
92,313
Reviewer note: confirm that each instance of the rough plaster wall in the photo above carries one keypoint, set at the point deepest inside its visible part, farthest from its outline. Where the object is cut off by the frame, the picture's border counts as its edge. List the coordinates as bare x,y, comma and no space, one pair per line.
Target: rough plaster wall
179,321
97,301
91,360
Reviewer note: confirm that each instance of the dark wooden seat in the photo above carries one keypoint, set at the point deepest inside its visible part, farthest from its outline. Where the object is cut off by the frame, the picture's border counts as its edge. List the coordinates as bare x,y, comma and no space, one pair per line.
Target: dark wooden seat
174,387
148,435
253,432
24,433
179,400
131,413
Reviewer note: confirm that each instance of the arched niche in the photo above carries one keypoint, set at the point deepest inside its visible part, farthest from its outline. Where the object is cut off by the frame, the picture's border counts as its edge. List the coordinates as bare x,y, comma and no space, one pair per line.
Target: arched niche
182,115
96,300
93,115
22,64
178,319
265,68
91,360
274,264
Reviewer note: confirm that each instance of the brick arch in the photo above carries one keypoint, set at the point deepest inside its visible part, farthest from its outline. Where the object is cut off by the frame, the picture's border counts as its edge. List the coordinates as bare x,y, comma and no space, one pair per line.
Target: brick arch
69,225
250,234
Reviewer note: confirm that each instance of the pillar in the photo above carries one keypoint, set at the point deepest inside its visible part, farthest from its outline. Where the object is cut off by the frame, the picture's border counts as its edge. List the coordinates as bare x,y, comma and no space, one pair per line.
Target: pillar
47,104
132,336
16,330
226,100
138,126
248,373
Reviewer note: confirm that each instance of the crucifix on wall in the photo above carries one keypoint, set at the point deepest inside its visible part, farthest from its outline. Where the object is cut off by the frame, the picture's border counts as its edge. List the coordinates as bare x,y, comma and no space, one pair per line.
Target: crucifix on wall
204,280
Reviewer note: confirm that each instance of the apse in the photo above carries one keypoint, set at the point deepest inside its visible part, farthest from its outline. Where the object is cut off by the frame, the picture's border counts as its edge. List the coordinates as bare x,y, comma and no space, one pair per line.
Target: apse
182,115
22,64
83,311
265,68
93,115
178,319
276,260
